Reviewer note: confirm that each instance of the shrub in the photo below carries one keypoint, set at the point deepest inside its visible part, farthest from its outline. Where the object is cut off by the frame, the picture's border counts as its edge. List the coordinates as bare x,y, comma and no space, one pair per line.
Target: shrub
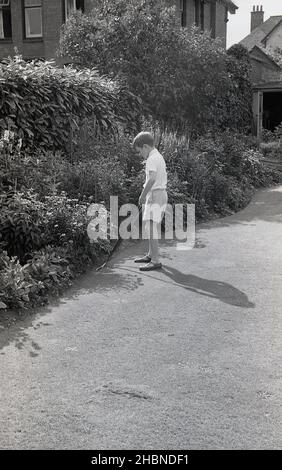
22,286
217,172
267,135
46,105
278,132
185,79
256,172
21,223
239,113
271,146
15,282
47,271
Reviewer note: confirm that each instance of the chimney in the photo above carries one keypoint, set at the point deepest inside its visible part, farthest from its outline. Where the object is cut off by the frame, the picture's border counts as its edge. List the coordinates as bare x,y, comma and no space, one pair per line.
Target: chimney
257,17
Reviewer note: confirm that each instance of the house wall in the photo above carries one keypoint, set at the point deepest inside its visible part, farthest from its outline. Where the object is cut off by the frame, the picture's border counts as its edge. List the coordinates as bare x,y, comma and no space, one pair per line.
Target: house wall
27,47
52,20
257,113
190,10
221,23
53,17
263,68
220,26
275,39
263,72
207,17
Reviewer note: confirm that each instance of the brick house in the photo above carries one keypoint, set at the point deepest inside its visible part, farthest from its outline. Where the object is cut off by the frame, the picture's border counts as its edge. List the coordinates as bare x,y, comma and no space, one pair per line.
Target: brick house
209,15
264,38
33,26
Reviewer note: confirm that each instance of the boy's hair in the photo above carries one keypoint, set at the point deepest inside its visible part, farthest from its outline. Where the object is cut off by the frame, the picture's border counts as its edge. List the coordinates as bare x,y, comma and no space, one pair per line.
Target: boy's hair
143,138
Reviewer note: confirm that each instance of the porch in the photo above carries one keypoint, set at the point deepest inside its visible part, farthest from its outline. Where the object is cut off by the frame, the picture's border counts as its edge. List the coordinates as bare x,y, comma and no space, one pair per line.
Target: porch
267,106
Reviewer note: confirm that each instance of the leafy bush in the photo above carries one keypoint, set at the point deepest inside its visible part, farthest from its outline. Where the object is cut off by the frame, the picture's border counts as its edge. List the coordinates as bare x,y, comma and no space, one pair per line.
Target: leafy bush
278,132
66,226
24,285
272,143
21,223
15,282
47,271
238,101
46,105
217,172
256,172
185,79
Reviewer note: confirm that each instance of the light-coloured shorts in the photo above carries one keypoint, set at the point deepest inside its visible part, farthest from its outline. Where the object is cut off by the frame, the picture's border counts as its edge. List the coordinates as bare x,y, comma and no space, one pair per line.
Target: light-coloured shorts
155,205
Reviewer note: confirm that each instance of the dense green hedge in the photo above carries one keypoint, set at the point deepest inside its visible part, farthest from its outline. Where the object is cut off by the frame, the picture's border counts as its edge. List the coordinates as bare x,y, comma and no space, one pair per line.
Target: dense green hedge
46,105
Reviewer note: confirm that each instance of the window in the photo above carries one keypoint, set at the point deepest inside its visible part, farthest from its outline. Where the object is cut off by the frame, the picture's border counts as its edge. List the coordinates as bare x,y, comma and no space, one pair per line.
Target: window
33,18
5,20
213,18
183,12
72,5
200,14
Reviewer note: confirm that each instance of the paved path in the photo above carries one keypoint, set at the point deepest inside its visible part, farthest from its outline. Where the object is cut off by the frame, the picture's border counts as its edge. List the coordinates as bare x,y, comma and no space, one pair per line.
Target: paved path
190,357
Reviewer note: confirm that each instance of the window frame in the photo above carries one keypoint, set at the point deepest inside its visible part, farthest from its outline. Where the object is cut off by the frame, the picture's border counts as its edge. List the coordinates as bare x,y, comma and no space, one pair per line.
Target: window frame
6,8
64,6
202,15
183,11
32,7
213,18
199,14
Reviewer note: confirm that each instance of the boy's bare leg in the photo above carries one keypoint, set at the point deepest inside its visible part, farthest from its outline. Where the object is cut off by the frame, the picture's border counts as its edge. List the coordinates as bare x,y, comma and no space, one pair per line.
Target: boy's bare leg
154,242
153,231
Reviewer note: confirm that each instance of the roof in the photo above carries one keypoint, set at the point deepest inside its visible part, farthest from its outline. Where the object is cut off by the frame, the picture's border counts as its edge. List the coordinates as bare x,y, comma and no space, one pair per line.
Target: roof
266,54
232,7
277,85
258,36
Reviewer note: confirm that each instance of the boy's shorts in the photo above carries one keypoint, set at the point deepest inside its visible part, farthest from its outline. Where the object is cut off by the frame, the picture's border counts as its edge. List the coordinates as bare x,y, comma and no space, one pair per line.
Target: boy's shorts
155,205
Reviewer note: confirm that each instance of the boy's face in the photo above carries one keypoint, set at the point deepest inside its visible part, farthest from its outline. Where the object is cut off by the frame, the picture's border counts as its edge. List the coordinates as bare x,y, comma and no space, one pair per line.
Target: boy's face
143,151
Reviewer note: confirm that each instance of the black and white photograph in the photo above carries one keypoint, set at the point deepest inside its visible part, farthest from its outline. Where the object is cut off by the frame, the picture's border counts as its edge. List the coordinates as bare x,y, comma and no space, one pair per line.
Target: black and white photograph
140,231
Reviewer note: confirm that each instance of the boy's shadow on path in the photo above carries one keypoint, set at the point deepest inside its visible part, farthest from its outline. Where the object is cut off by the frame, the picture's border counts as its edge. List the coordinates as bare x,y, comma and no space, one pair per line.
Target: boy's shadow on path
214,289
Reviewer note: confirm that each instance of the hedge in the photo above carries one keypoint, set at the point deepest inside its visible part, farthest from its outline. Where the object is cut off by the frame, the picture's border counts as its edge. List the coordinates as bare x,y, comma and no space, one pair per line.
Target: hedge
45,105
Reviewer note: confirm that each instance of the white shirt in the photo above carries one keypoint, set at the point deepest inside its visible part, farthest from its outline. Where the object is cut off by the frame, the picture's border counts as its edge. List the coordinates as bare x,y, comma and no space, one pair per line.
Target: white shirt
155,162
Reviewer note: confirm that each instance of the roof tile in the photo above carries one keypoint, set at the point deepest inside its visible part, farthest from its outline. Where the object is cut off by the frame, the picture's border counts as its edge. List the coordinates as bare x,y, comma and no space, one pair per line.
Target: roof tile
259,34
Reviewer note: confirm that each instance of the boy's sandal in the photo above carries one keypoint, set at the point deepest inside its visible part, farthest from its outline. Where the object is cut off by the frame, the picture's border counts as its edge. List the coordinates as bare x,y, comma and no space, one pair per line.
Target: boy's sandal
151,267
145,259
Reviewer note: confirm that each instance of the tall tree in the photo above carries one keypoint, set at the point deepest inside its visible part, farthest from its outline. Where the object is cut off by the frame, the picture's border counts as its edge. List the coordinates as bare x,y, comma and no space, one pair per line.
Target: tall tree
180,74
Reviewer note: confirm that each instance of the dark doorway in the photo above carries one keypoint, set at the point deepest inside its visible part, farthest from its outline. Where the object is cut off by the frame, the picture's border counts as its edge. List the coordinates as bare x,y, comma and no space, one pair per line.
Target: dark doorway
272,110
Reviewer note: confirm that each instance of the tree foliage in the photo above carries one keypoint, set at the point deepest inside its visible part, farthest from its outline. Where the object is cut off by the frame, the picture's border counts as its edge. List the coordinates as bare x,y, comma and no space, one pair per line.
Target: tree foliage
182,75
239,98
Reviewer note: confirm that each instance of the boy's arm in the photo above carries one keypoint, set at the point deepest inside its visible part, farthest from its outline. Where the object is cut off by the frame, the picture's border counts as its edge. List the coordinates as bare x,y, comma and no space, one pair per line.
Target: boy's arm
148,186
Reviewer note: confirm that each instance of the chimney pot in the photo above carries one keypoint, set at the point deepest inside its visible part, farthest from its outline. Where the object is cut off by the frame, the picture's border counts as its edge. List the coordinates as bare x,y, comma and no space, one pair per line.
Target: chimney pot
257,16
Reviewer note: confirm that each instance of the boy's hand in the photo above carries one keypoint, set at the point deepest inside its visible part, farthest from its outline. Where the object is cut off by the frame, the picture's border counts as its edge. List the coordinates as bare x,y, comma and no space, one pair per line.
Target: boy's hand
141,200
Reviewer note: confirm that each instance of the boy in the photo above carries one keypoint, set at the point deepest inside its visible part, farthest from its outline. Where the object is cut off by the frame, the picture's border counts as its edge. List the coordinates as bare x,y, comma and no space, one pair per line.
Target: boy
154,196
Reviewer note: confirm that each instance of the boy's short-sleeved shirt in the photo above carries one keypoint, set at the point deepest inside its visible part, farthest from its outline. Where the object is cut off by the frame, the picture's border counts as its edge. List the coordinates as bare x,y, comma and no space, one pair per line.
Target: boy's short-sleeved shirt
155,162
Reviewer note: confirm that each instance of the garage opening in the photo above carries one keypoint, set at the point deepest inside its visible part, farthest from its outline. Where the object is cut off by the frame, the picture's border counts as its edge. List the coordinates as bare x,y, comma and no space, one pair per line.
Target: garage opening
272,110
